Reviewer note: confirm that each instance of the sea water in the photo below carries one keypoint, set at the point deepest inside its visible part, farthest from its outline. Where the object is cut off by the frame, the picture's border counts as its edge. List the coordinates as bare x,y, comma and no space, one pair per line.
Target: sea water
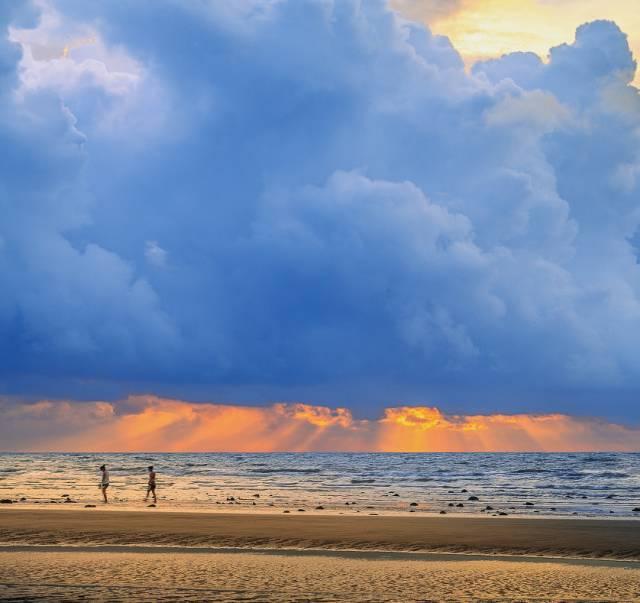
570,484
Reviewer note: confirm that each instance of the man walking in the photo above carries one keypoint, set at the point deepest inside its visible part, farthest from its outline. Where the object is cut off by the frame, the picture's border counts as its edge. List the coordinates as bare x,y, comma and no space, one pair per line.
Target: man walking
151,486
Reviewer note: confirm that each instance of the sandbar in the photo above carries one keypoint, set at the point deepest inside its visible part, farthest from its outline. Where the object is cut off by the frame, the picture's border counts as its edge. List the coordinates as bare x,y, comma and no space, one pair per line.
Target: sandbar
574,538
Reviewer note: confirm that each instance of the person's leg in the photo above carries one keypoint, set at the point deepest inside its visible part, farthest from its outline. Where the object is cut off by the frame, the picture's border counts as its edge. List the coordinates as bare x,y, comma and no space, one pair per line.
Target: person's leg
146,498
104,494
155,498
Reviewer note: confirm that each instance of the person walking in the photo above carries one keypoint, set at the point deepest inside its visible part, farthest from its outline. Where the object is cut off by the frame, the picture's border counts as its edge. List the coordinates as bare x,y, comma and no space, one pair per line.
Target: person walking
104,482
151,486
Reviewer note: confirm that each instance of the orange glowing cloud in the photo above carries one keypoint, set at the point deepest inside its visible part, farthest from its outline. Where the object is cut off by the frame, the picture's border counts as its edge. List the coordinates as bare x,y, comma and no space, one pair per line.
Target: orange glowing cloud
148,423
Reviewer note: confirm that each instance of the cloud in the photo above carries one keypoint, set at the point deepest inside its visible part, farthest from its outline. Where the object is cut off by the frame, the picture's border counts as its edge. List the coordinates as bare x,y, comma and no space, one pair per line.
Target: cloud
150,423
60,301
426,10
155,254
578,73
482,29
343,205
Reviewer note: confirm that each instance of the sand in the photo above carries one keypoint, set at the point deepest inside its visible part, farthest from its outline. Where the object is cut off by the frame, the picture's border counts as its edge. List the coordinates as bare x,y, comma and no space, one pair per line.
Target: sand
184,576
589,538
135,556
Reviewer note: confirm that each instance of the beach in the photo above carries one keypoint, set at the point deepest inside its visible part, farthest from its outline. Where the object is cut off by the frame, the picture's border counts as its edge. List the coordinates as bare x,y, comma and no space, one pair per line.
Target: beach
63,554
610,539
321,527
277,576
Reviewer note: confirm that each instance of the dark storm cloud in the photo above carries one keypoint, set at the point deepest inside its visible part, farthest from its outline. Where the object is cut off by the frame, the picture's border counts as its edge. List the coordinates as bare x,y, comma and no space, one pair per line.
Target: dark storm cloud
296,195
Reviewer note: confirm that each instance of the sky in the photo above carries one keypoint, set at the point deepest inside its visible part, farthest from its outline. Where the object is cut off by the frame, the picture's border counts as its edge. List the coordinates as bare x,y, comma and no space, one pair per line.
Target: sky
484,29
417,221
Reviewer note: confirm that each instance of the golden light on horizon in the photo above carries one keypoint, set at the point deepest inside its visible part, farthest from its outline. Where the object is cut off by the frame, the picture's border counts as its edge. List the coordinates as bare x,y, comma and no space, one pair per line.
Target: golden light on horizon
482,29
151,423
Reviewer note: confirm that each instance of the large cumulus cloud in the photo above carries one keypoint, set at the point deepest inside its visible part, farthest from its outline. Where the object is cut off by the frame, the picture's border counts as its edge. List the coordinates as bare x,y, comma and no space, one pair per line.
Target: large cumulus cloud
63,306
287,198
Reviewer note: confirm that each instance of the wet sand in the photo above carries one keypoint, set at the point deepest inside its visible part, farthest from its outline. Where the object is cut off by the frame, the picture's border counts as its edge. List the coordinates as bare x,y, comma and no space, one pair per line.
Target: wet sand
584,538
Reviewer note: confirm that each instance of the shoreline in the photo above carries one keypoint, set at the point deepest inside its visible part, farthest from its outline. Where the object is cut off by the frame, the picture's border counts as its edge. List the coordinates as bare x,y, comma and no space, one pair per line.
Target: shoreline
208,509
548,538
538,485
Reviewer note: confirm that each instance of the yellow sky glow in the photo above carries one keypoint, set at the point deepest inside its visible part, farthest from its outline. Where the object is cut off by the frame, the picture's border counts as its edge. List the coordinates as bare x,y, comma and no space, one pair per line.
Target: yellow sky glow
152,423
481,29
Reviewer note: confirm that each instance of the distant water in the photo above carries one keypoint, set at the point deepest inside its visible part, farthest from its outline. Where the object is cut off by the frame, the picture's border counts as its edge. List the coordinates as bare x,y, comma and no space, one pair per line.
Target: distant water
588,485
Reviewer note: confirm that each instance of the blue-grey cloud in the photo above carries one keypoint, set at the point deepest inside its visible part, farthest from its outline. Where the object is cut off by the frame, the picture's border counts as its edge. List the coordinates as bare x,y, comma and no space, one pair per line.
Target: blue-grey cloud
426,10
305,198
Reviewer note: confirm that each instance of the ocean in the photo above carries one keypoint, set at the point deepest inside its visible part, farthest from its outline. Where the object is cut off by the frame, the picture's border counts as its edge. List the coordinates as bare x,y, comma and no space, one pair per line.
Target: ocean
571,484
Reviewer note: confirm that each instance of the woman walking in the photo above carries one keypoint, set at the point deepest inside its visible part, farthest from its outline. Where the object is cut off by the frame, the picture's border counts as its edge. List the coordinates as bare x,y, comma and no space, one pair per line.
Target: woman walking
104,482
